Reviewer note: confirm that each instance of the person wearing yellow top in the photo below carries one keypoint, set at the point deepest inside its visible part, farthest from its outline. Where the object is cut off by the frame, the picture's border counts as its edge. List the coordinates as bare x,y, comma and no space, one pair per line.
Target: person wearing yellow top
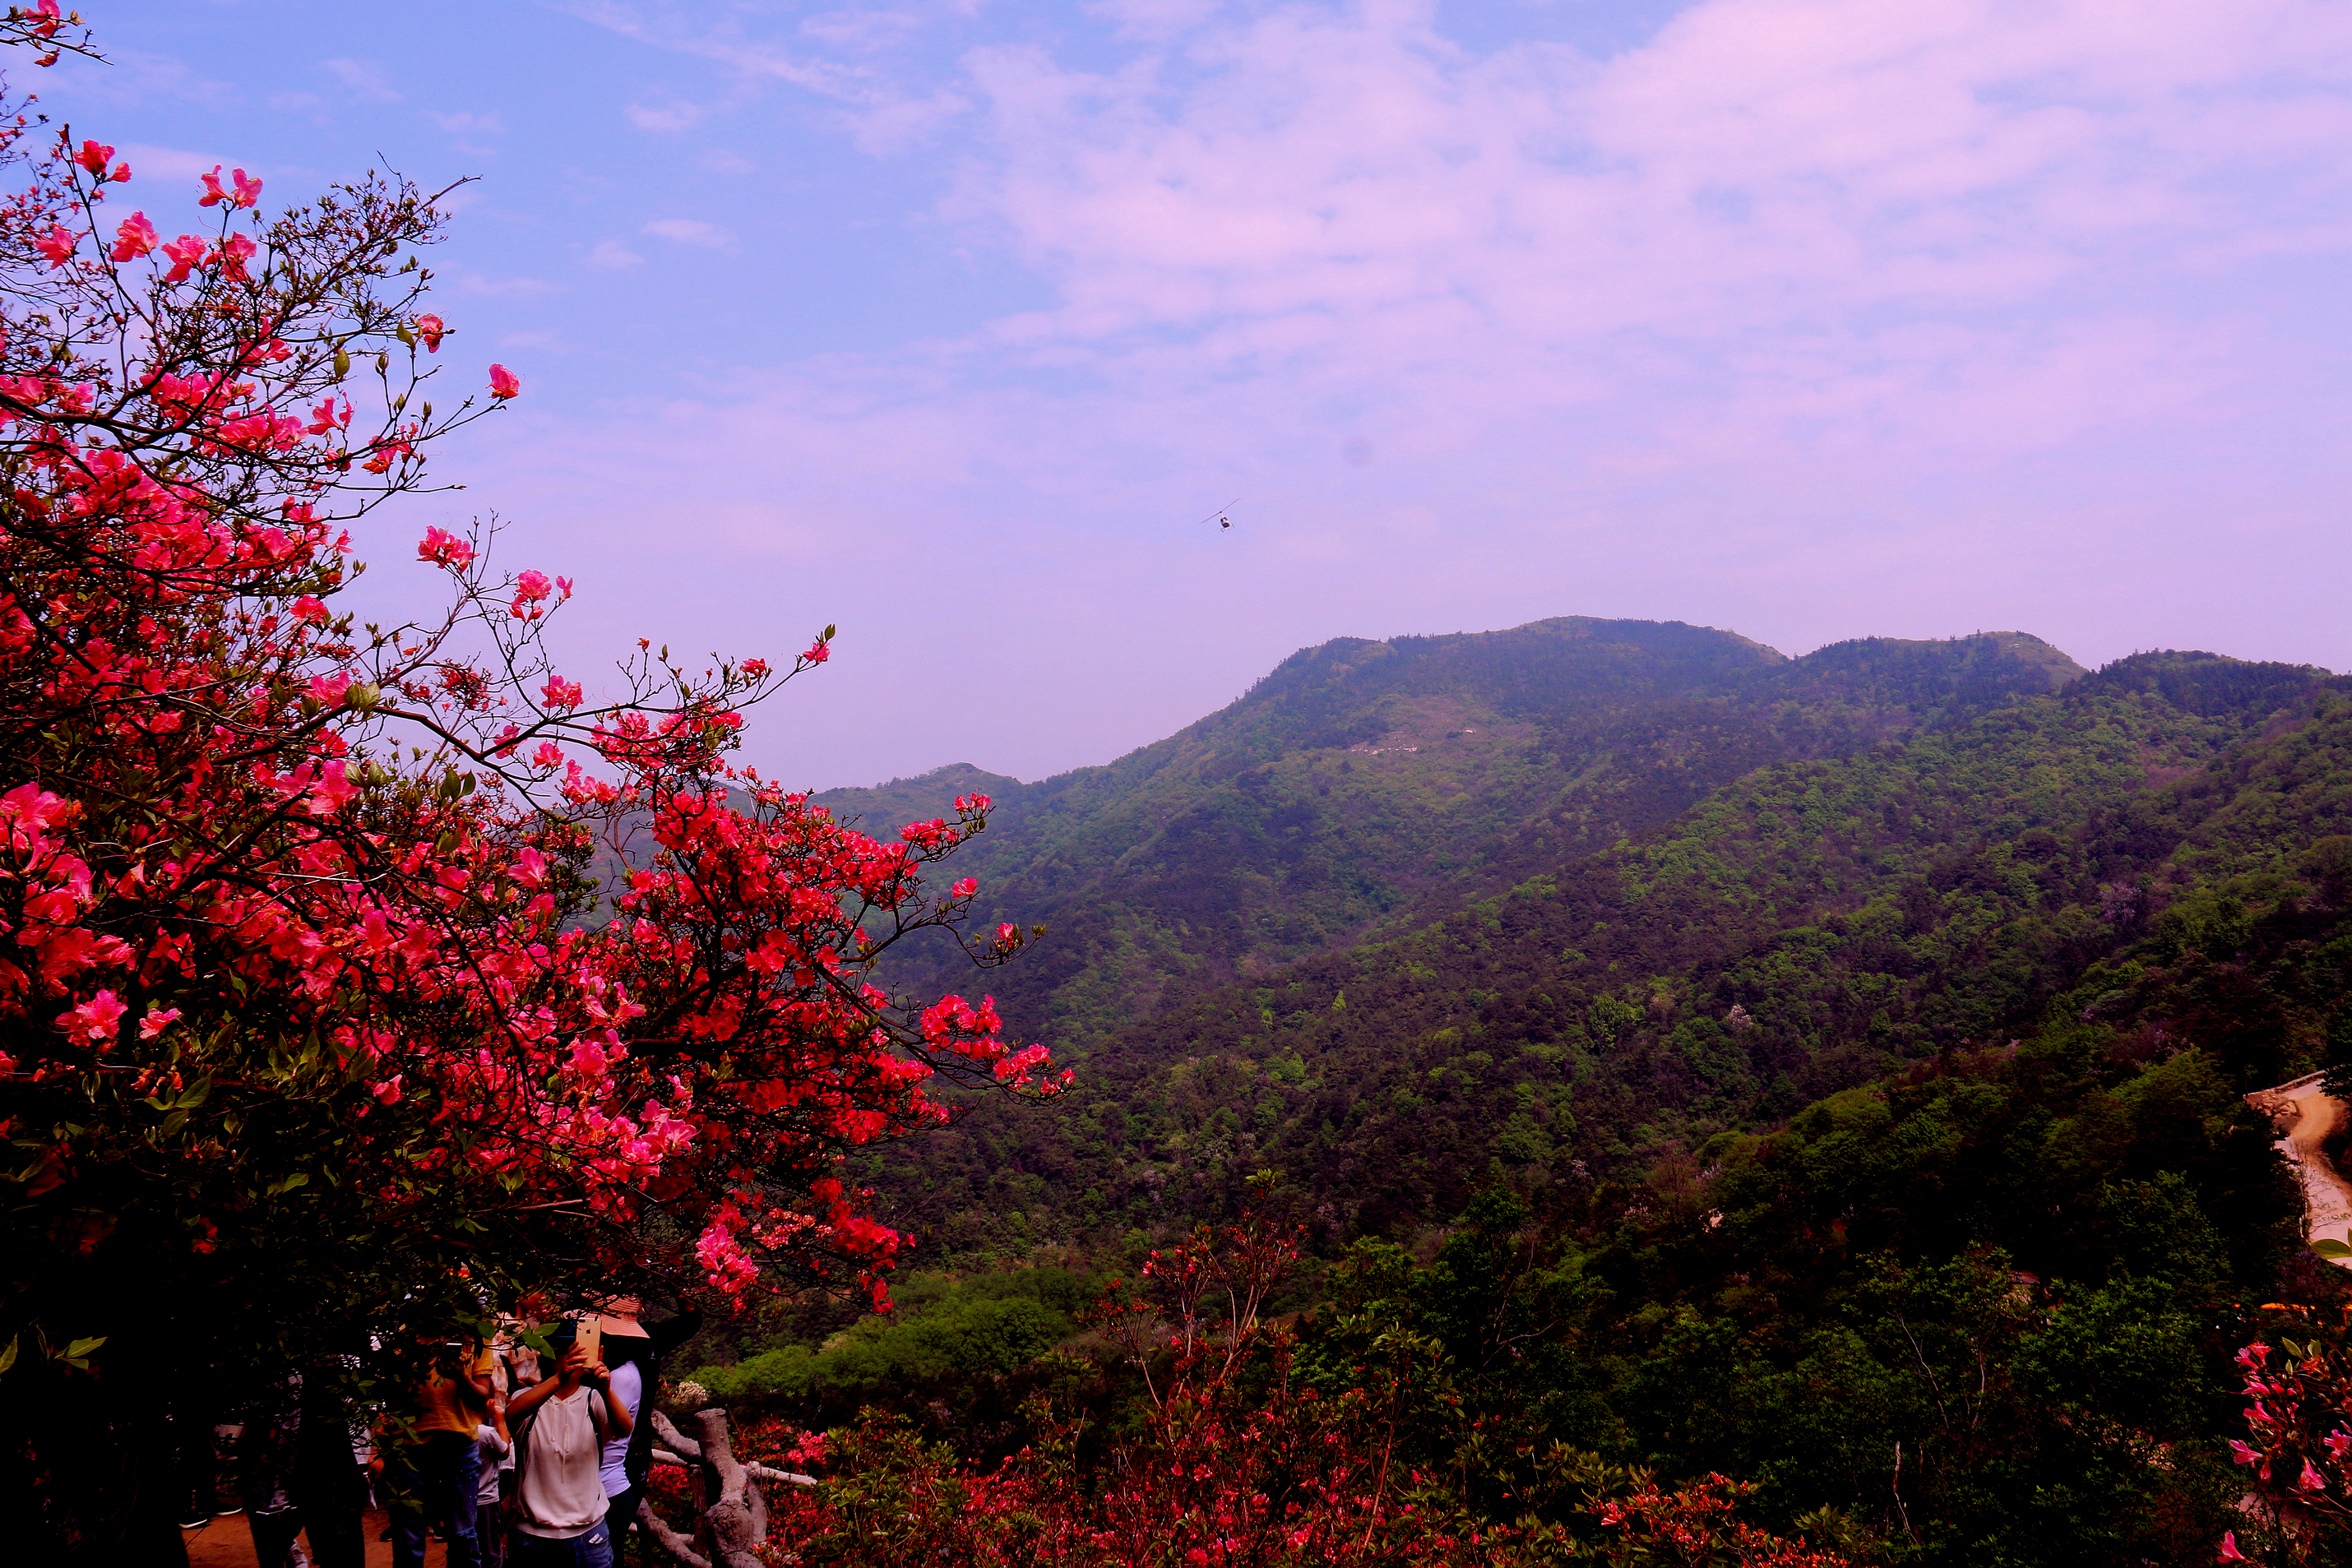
438,1474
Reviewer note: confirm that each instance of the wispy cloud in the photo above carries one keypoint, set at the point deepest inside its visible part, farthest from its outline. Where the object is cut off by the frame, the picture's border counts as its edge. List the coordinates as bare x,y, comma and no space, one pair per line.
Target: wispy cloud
464,122
690,231
667,119
612,255
487,287
365,78
861,30
1812,318
153,163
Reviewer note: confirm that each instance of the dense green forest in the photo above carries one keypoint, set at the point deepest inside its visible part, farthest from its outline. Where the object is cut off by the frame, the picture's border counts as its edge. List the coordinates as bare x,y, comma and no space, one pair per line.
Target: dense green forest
1825,1072
1367,785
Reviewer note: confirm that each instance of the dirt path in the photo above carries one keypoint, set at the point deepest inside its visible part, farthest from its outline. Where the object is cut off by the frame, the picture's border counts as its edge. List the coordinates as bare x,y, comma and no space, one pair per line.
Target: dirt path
229,1543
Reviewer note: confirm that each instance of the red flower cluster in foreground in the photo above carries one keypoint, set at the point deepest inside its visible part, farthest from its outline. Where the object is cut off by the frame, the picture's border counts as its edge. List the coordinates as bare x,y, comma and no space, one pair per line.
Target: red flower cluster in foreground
291,906
1238,1463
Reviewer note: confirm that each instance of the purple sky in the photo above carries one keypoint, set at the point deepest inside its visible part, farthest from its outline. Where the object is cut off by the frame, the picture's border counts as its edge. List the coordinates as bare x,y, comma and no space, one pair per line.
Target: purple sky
1814,319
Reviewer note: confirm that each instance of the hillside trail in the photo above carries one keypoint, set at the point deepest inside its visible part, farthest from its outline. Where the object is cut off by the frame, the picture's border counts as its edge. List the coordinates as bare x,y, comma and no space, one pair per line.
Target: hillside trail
229,1543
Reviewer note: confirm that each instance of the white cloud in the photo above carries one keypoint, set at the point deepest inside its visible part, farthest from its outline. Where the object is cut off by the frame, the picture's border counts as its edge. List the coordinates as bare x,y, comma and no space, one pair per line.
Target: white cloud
1812,318
668,120
487,287
612,255
860,30
690,231
1348,205
466,121
365,78
150,161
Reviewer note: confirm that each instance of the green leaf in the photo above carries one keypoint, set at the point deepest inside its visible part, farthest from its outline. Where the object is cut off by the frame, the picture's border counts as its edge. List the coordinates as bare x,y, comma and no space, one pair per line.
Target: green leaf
8,1355
82,1348
2329,1247
288,1183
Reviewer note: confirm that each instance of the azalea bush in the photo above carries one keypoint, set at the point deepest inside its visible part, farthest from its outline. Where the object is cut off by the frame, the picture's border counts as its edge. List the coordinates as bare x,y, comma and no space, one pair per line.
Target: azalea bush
2297,1452
1233,1459
358,980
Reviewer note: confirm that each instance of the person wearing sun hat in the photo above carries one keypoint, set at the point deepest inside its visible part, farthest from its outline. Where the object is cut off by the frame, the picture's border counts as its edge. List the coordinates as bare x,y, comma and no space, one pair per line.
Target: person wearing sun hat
633,1349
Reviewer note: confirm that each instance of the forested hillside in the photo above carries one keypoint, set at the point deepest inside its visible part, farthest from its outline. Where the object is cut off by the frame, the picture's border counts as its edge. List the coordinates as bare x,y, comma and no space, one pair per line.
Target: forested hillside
1833,1080
1365,786
2151,851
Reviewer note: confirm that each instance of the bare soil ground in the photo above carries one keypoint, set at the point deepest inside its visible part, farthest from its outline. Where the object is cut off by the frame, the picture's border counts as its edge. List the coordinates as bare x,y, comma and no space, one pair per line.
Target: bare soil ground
229,1543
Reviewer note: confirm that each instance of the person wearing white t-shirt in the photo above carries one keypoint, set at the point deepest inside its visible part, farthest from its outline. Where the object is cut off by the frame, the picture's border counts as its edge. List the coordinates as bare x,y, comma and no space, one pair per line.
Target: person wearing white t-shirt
560,1518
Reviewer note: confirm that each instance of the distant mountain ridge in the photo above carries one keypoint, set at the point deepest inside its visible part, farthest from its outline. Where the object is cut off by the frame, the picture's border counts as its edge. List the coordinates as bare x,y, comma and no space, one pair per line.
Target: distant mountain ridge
2154,859
1368,786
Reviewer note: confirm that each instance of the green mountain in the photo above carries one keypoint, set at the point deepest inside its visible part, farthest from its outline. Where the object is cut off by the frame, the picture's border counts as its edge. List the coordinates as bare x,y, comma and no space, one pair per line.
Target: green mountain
1364,787
1827,1073
2150,858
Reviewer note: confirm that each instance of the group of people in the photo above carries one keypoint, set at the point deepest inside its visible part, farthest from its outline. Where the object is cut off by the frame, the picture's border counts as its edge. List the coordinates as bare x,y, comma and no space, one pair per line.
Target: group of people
532,1461
511,1455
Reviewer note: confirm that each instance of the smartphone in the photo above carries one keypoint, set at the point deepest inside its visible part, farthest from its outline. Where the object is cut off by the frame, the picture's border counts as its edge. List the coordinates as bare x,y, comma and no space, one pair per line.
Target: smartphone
590,1335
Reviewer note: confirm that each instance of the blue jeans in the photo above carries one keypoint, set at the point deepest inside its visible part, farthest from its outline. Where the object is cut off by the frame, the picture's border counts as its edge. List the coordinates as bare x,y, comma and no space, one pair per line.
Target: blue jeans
592,1548
434,1477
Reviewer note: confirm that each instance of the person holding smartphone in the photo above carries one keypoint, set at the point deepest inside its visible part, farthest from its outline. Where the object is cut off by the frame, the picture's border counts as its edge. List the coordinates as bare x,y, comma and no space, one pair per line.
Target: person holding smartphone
561,1426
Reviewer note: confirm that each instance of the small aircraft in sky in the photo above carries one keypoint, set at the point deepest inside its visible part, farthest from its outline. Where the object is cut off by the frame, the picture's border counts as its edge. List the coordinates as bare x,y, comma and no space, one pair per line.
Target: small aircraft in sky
1219,518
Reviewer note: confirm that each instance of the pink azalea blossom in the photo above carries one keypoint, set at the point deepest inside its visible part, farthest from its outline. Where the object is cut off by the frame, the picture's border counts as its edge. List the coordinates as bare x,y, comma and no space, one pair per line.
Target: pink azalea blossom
157,1020
560,693
445,549
95,1020
530,588
432,330
234,252
2230,1552
503,383
187,253
244,193
135,238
